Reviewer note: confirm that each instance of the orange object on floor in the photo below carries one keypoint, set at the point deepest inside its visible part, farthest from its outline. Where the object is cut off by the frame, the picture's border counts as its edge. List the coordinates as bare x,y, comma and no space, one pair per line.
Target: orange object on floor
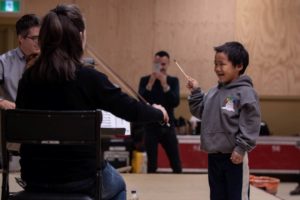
267,183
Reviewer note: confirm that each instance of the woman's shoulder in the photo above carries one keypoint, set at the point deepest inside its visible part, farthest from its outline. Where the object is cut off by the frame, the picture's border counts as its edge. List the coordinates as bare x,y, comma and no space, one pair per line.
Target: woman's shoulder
27,73
89,72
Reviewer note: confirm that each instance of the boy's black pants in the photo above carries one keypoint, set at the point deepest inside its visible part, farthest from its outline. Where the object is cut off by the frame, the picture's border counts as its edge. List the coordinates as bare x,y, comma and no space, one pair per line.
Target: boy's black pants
227,181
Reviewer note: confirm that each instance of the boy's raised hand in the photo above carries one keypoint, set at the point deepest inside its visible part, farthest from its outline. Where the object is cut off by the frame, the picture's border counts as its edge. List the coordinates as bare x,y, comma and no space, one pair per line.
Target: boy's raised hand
192,84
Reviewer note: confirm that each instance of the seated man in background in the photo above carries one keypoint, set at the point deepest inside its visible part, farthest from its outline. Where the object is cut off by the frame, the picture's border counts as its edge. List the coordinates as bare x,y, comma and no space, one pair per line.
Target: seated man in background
13,63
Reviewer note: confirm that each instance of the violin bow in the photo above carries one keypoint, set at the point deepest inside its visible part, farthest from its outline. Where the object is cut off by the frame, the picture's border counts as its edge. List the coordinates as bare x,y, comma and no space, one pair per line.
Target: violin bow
100,61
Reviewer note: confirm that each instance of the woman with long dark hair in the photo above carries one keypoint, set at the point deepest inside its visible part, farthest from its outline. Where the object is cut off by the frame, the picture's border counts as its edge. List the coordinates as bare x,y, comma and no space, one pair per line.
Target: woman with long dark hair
59,81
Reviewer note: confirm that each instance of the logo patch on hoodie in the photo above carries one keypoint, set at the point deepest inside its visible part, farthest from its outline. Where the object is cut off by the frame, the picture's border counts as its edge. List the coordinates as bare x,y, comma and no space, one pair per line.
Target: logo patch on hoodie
231,103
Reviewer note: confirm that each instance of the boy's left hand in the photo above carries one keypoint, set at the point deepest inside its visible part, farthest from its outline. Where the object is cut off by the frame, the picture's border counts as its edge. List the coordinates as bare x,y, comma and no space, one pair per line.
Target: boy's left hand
236,158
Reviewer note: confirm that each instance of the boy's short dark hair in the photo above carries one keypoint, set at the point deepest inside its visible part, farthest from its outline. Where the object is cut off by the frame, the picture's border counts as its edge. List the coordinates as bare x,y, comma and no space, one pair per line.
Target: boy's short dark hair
25,23
236,53
162,54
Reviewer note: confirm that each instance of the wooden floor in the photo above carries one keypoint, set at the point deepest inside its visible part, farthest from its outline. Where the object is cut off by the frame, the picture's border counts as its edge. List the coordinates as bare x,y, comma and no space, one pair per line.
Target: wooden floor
169,186
178,187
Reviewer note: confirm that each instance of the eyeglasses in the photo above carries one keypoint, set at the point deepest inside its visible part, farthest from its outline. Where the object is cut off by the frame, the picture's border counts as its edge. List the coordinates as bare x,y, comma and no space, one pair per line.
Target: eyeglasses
34,38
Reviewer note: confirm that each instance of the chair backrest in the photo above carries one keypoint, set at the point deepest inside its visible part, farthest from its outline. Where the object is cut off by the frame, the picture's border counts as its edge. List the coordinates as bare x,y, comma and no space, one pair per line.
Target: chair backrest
49,127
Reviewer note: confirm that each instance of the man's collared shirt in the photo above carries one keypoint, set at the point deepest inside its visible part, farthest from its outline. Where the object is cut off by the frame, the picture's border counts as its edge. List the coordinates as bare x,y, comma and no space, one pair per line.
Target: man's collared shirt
12,67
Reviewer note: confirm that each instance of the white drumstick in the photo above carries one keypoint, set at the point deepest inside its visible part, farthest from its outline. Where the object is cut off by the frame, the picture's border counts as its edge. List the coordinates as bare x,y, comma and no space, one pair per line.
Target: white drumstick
186,76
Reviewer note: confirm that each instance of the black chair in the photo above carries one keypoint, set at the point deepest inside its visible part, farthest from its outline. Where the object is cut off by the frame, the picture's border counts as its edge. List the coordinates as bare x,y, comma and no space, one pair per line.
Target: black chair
54,128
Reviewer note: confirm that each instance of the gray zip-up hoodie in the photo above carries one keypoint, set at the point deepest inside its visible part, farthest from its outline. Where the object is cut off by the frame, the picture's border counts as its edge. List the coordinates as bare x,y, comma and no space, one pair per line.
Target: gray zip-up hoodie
230,116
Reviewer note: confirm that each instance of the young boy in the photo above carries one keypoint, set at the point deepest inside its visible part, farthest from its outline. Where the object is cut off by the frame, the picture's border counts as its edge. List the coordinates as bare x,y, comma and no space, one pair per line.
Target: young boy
230,122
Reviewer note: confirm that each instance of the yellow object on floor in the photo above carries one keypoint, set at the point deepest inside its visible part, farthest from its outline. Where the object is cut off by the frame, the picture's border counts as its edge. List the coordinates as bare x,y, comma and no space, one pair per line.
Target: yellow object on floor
139,162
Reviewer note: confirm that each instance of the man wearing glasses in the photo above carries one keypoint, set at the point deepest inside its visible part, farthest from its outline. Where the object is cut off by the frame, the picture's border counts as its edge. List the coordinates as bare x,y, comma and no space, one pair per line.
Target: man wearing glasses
160,88
13,62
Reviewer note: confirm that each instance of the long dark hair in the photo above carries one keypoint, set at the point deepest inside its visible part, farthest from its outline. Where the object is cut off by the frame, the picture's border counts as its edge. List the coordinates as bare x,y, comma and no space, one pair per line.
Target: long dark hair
60,41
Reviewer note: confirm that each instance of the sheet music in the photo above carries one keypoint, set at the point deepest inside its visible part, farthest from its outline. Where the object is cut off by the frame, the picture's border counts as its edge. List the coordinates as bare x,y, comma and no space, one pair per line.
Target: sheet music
111,121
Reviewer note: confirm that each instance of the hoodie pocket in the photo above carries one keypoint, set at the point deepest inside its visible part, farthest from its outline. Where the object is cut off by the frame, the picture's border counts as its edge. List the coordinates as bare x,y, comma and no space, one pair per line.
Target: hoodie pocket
217,142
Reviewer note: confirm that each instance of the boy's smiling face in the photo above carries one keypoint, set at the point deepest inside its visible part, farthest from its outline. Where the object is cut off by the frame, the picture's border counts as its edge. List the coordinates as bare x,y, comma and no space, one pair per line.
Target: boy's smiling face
224,69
